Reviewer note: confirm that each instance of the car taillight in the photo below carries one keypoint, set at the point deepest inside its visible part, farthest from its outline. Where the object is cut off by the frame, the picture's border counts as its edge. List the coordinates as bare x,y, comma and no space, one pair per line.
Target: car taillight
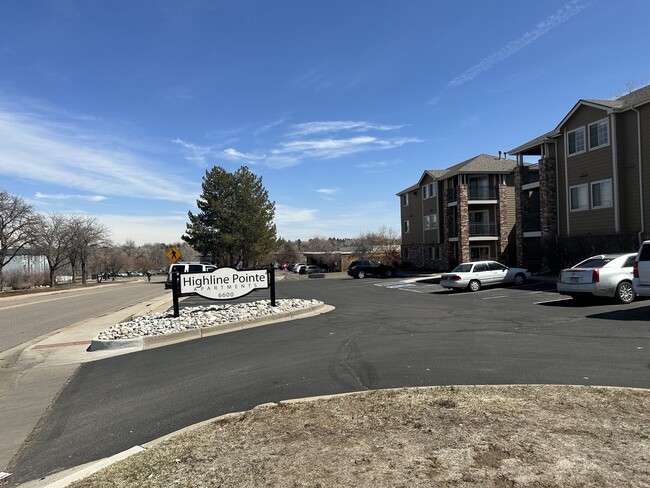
453,277
595,276
635,269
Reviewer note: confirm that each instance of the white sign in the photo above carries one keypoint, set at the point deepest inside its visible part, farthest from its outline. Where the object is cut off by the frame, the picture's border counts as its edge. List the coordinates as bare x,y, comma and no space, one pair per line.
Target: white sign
224,283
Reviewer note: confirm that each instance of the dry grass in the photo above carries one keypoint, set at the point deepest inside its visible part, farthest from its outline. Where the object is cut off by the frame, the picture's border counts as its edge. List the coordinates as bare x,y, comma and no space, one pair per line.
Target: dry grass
532,436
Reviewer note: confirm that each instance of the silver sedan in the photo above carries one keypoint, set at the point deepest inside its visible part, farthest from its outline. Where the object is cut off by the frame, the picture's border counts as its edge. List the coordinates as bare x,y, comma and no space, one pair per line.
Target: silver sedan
604,275
475,275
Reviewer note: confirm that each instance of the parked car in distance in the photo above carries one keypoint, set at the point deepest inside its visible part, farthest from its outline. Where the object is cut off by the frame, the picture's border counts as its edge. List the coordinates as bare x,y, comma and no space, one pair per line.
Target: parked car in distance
476,275
365,267
603,275
298,267
187,268
312,269
641,271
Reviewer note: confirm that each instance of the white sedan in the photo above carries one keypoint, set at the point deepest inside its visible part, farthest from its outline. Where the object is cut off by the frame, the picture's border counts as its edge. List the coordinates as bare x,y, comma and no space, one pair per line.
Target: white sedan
475,275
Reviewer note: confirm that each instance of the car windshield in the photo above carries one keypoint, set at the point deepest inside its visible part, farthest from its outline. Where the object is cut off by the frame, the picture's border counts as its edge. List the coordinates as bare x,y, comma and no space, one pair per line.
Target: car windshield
593,263
463,268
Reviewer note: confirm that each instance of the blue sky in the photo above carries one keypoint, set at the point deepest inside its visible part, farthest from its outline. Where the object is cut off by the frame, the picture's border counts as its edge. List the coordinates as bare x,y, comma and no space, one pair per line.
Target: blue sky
116,108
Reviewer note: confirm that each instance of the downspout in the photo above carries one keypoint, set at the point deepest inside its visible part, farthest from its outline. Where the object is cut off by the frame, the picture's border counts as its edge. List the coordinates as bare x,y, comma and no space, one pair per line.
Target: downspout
617,207
638,138
566,186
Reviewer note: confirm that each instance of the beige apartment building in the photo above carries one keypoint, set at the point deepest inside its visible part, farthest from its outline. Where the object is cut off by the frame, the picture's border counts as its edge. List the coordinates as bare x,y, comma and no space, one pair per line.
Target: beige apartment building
465,212
586,194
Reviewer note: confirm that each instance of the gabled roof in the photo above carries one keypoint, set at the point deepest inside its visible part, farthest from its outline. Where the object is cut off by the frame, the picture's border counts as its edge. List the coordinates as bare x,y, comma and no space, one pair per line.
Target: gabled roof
483,163
436,174
524,148
621,104
626,102
410,188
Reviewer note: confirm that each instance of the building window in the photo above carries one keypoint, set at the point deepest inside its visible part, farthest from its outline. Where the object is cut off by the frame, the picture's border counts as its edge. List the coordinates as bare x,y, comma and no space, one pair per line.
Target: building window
576,141
405,200
429,253
479,253
405,250
424,192
601,194
579,198
406,227
599,134
433,192
431,222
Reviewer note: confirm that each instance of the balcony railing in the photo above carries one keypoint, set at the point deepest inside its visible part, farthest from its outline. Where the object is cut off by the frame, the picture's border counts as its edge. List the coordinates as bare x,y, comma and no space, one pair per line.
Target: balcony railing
488,229
476,230
474,194
483,193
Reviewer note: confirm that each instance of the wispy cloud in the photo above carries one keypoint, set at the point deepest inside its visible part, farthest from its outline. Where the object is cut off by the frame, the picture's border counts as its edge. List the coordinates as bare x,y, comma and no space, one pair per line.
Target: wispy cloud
231,153
303,143
336,148
62,196
328,191
66,154
319,127
563,14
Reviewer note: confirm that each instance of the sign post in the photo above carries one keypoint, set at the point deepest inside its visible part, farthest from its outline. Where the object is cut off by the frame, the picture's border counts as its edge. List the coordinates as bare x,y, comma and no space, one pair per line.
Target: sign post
222,284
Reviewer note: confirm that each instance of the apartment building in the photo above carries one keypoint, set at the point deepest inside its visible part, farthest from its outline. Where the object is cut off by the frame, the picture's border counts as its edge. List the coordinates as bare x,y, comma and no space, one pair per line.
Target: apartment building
586,193
465,212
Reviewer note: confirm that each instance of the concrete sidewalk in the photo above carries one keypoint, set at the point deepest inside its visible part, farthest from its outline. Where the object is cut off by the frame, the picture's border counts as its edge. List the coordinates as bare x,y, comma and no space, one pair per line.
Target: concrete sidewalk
33,373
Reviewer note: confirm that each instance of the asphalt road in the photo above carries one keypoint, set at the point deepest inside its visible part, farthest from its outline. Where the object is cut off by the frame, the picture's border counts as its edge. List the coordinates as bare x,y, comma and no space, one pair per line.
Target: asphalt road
382,334
26,317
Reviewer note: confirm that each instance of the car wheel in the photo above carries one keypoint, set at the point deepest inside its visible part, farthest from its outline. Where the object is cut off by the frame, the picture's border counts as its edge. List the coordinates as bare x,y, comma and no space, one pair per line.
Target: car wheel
361,274
624,292
474,285
388,273
520,279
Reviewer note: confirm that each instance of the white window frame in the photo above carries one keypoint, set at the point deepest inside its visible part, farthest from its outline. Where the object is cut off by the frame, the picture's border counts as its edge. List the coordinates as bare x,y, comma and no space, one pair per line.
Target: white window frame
611,194
407,227
584,207
424,192
405,200
584,141
598,143
433,190
426,223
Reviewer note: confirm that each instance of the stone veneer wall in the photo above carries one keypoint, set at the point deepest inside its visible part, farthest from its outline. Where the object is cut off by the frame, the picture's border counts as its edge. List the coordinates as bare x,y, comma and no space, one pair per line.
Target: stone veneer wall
504,228
463,221
548,212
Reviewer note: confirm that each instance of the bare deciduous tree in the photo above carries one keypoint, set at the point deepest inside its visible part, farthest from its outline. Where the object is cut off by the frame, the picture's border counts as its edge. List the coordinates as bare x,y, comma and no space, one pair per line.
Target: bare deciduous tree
86,236
17,225
53,240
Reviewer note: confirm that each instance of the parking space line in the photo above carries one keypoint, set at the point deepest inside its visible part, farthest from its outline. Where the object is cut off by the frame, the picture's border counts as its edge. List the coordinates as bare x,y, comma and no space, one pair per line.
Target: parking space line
555,300
498,296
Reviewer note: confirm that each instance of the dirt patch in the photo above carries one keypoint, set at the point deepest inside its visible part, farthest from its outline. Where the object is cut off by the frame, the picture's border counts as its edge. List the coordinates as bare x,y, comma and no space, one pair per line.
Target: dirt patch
494,436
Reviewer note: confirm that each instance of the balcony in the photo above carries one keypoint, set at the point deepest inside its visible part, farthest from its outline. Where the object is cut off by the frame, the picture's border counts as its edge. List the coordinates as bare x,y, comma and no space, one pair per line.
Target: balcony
483,229
474,194
483,193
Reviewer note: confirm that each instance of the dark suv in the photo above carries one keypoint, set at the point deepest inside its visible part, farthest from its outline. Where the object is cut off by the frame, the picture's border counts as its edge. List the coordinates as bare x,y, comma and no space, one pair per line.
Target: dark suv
360,269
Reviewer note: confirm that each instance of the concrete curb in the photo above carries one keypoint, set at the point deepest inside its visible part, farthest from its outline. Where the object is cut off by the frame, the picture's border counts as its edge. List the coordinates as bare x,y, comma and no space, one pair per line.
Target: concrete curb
199,333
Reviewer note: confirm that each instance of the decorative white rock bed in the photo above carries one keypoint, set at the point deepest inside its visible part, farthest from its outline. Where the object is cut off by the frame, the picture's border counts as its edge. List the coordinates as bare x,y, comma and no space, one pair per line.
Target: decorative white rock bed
199,317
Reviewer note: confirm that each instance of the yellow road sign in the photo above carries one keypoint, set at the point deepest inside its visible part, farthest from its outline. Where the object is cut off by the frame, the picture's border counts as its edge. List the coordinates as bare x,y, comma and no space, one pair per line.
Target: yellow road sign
173,254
